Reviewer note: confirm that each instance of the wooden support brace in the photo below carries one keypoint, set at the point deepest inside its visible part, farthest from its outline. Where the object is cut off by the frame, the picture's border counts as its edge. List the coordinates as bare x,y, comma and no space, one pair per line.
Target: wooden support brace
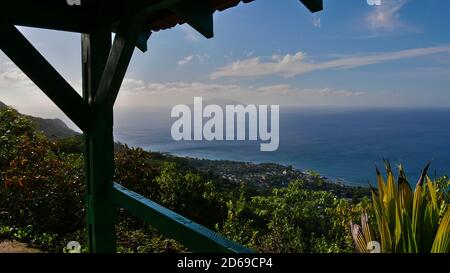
104,68
313,5
119,58
197,14
41,72
99,149
142,41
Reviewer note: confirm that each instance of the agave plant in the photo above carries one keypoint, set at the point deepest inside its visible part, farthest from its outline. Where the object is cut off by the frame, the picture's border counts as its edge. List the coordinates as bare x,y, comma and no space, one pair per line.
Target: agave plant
408,221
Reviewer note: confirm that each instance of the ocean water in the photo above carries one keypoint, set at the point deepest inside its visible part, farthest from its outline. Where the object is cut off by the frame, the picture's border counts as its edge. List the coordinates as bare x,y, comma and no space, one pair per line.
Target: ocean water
341,144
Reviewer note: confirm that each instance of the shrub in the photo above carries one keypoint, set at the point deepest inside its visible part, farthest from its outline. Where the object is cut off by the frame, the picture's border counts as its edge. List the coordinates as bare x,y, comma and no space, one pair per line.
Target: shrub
38,186
407,221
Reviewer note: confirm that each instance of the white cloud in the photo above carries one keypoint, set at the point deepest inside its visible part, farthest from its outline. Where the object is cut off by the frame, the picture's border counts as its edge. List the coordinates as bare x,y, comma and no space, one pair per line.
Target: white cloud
297,64
11,75
189,33
186,60
140,94
332,92
316,21
386,17
202,57
18,91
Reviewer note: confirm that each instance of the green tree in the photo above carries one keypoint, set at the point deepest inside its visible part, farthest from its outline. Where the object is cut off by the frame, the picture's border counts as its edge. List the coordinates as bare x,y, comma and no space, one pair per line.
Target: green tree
39,187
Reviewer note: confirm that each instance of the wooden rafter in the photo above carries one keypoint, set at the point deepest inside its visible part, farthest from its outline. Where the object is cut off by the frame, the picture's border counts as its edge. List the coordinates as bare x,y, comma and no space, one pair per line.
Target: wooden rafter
96,14
118,60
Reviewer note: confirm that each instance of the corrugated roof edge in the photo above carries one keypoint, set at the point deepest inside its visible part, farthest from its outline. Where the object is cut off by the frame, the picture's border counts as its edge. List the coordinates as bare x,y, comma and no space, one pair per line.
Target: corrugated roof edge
171,20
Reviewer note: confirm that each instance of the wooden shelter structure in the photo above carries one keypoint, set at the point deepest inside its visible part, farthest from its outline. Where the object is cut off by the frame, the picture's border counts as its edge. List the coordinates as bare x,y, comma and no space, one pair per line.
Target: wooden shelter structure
105,63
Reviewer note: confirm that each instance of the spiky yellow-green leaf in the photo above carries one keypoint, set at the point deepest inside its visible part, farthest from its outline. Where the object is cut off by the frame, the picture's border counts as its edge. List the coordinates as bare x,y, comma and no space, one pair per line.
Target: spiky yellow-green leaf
407,221
442,241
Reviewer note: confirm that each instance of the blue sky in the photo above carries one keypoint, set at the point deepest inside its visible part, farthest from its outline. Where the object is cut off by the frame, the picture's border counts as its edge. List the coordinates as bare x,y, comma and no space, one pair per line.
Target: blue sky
274,52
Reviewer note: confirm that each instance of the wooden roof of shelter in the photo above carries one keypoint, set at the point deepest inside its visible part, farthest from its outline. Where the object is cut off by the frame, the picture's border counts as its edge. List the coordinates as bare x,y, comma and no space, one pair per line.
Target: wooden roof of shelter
85,16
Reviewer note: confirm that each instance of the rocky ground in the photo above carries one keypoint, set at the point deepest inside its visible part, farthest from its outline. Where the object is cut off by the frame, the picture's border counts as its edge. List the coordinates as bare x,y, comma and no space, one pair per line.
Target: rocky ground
16,247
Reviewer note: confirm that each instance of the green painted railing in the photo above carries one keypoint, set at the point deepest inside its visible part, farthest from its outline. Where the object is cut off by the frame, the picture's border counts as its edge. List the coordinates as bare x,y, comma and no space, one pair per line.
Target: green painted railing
192,235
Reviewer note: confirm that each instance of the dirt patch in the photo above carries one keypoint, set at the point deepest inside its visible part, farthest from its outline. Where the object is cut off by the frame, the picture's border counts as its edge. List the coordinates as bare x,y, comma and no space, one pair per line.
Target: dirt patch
16,247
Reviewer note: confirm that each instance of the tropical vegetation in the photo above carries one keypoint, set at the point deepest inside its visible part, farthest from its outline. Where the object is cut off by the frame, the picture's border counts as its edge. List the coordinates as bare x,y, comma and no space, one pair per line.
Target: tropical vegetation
42,202
407,221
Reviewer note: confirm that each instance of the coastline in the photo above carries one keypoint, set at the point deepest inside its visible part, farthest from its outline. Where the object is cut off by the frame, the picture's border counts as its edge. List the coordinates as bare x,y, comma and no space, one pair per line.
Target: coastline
265,177
299,172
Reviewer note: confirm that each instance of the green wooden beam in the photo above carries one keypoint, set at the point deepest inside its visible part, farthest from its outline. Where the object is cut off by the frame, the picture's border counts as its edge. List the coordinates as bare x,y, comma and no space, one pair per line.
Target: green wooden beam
41,72
119,58
192,235
59,16
313,5
198,14
160,6
99,148
142,41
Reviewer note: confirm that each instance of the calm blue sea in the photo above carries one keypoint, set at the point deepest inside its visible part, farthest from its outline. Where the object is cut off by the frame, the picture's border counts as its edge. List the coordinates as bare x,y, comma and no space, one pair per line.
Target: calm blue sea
342,144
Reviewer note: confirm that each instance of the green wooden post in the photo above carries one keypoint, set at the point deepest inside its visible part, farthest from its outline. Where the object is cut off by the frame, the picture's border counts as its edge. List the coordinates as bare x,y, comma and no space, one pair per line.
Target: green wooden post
99,152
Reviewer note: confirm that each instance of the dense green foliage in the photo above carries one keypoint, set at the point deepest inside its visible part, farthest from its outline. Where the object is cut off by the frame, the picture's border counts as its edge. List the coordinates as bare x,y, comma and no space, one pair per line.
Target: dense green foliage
42,199
408,221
